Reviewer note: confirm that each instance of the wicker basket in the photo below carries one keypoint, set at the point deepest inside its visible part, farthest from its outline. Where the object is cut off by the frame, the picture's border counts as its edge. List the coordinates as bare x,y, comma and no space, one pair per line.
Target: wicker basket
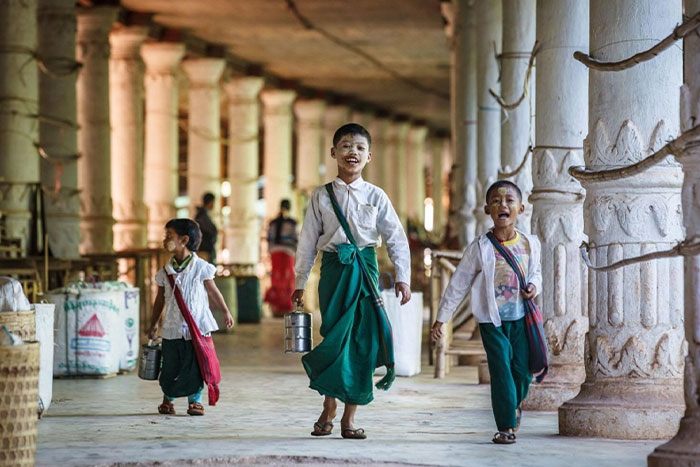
21,323
19,395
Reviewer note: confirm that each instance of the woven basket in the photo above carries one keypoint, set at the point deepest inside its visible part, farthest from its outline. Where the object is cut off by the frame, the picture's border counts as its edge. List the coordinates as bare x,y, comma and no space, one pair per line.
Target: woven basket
19,396
21,323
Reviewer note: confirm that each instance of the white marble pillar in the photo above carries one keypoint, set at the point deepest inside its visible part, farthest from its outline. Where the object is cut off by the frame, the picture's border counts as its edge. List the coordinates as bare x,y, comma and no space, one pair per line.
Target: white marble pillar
94,165
334,118
310,143
635,345
488,33
204,131
415,173
19,129
438,173
162,60
557,198
396,171
684,448
517,132
57,100
243,229
464,117
126,115
277,163
374,171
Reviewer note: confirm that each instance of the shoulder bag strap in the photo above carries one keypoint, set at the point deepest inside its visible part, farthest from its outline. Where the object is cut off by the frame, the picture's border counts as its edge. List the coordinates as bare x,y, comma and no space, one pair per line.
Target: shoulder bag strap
510,259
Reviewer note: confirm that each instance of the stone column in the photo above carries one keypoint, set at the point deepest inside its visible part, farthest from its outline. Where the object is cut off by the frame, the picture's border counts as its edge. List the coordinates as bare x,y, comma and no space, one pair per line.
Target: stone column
635,347
204,131
517,131
393,168
19,129
488,32
59,143
160,158
374,171
437,174
684,448
243,230
277,164
415,174
126,115
310,139
94,165
464,114
557,198
335,116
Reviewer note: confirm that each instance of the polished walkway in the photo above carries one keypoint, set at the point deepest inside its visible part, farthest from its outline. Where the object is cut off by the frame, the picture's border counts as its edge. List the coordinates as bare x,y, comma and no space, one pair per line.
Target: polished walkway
266,413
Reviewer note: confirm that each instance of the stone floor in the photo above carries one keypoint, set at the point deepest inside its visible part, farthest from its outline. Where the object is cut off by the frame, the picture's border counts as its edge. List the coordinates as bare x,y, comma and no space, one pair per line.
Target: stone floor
266,413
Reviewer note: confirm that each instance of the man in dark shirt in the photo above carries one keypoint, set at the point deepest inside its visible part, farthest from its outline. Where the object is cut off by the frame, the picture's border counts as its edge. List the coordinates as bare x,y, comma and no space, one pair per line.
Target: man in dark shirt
207,249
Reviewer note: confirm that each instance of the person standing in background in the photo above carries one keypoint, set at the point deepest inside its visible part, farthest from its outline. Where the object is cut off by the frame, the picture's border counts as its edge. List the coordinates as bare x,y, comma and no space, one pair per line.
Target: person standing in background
207,250
282,241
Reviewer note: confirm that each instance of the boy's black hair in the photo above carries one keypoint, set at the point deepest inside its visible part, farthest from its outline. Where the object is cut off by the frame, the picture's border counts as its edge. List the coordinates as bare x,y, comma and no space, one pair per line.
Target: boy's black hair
208,198
187,227
504,184
286,204
351,129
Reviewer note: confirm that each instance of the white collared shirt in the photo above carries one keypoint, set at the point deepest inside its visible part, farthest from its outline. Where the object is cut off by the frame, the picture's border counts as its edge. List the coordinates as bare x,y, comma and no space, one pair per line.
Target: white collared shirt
476,271
371,217
191,283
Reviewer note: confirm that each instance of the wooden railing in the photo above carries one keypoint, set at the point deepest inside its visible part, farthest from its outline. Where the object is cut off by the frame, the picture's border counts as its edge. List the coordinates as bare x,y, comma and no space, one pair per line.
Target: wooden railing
442,269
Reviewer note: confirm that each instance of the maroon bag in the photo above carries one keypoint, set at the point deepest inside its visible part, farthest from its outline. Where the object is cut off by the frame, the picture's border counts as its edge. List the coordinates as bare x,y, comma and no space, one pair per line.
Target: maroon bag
203,348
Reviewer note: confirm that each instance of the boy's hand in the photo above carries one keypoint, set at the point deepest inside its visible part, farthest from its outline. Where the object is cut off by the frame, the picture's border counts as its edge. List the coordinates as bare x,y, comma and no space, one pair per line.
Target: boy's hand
298,297
229,320
530,292
436,330
404,290
152,332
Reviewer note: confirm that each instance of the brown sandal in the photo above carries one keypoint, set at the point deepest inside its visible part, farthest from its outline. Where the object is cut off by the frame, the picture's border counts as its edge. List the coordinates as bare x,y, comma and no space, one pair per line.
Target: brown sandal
166,408
195,408
357,433
322,429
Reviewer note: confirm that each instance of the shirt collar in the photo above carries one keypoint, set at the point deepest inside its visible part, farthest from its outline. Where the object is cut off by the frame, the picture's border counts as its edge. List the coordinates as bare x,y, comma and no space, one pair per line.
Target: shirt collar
356,185
171,270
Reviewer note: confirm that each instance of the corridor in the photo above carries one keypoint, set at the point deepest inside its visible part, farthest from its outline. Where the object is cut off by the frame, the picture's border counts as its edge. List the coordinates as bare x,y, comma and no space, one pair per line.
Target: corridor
266,413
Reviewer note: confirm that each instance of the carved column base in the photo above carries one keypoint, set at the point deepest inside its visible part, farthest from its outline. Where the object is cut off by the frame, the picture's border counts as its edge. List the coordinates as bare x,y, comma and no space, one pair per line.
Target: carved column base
97,235
129,234
624,410
683,450
63,241
563,382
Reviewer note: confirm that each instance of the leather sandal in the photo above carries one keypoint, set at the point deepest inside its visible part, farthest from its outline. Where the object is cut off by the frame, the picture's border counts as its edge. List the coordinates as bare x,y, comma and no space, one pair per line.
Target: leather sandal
503,437
195,408
357,433
322,429
166,408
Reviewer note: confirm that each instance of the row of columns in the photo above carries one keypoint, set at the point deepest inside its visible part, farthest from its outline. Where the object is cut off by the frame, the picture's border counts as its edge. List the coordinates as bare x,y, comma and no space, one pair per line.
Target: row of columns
617,339
107,132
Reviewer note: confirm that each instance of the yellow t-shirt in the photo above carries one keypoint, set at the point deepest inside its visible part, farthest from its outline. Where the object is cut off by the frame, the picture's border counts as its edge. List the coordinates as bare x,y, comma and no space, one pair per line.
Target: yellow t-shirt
508,299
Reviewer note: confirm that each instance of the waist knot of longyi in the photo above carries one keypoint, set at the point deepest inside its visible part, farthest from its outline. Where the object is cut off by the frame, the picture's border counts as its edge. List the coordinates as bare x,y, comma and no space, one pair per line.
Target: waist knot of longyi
347,252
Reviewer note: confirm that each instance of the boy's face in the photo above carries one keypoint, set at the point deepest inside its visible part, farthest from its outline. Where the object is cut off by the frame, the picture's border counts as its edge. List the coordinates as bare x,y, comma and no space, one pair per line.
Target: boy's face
504,206
173,242
352,154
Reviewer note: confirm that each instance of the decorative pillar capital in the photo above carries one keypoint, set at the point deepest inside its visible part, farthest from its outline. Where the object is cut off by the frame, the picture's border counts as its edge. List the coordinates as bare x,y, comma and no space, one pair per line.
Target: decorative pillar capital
162,57
245,89
277,101
417,133
126,41
204,72
95,23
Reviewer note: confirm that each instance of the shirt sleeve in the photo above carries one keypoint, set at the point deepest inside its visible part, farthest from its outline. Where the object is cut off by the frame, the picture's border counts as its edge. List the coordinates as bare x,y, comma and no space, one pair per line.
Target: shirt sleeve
460,283
391,230
535,268
207,271
160,277
311,230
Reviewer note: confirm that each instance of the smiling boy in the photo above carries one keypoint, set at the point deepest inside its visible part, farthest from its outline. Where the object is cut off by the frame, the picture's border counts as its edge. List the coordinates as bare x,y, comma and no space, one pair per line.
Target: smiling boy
498,303
346,220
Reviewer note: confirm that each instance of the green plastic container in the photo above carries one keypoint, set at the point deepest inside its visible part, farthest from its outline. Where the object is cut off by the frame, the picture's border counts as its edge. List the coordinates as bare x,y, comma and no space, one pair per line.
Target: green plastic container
228,288
249,299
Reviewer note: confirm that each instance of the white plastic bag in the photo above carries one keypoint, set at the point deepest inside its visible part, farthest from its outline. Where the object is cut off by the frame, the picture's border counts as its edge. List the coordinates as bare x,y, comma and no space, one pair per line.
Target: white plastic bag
406,325
12,296
44,313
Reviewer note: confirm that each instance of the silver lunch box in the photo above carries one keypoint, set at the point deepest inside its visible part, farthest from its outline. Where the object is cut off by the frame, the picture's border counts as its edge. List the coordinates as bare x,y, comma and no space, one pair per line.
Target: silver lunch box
298,332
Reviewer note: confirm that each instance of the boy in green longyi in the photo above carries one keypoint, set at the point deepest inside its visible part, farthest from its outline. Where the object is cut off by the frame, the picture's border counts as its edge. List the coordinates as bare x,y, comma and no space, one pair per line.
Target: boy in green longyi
346,220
